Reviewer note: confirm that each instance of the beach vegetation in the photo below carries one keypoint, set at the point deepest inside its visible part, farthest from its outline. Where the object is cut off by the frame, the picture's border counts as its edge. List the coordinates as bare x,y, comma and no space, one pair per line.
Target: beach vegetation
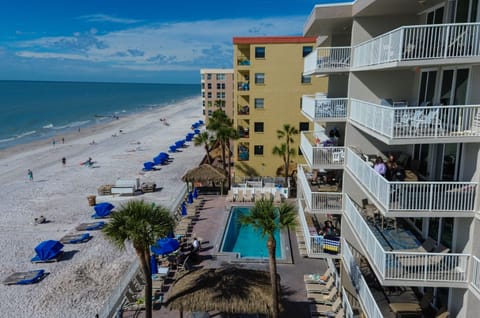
268,219
224,131
140,223
285,150
206,140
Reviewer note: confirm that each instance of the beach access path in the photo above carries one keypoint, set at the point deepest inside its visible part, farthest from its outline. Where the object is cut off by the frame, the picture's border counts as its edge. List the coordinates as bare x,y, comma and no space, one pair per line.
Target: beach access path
79,285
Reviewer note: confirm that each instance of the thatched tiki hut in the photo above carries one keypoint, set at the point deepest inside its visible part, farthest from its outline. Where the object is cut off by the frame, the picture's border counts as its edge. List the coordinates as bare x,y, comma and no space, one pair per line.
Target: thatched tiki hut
226,290
206,174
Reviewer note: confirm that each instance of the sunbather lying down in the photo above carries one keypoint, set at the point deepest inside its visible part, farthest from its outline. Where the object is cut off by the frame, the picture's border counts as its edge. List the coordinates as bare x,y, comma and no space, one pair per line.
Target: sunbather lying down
40,220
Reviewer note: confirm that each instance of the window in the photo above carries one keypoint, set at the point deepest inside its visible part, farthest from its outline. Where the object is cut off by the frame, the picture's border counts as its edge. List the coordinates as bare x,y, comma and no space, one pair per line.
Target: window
258,150
220,77
303,126
203,112
210,112
209,85
260,52
258,127
203,94
220,85
307,50
203,76
221,95
209,103
259,102
259,78
306,79
209,76
209,95
203,103
203,85
300,153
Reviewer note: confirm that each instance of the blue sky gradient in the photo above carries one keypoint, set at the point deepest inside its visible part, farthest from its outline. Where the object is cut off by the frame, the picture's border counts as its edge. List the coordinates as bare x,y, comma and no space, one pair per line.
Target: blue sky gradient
134,41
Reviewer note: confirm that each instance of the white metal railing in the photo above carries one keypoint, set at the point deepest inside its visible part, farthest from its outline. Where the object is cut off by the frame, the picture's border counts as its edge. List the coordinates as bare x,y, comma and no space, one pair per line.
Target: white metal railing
475,279
417,42
346,304
412,266
368,302
316,245
452,121
318,155
327,59
328,202
323,108
432,196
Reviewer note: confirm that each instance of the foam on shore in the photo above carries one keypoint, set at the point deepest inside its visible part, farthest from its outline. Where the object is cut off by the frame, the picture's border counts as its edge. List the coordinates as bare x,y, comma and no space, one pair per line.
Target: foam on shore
79,286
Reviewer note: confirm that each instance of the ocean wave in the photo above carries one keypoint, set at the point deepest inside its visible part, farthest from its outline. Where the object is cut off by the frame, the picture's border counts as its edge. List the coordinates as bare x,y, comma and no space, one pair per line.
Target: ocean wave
28,133
48,126
72,124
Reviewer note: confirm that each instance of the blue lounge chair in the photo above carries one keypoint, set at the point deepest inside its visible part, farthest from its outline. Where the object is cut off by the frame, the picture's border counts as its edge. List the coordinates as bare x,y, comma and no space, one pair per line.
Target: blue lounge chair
48,251
172,148
102,210
75,238
196,131
25,278
147,166
90,226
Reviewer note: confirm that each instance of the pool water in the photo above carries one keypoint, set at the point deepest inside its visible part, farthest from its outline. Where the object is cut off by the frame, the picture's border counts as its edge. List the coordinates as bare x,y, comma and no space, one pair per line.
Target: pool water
245,240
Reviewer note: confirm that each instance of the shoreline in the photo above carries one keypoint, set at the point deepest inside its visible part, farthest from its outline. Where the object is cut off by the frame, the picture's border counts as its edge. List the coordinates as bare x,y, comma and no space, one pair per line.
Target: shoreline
79,285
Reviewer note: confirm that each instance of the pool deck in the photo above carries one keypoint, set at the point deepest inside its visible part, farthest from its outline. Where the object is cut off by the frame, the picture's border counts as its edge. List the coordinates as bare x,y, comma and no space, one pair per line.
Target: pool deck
209,229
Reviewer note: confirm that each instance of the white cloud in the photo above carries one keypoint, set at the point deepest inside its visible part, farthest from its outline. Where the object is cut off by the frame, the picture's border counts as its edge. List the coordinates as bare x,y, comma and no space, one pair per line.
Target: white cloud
107,18
172,46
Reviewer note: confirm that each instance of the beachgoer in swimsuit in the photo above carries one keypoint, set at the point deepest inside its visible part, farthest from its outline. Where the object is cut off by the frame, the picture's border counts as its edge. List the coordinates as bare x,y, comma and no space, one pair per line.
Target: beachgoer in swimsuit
30,175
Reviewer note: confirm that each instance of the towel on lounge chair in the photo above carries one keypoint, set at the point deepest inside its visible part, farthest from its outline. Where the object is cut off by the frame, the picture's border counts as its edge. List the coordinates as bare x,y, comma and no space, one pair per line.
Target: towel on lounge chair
90,226
24,278
48,251
75,238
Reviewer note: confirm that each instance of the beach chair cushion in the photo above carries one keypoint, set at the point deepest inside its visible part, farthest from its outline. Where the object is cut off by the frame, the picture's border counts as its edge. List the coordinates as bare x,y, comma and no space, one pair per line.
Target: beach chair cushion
25,278
90,226
75,238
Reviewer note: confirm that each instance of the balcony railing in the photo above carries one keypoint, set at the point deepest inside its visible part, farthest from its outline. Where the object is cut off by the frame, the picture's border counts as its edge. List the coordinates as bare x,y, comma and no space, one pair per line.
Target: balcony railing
420,42
243,86
411,266
322,202
367,300
319,156
325,109
317,245
327,59
475,282
419,121
400,196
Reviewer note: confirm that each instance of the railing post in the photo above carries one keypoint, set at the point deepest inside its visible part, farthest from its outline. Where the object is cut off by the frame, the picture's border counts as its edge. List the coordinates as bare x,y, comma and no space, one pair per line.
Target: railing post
447,36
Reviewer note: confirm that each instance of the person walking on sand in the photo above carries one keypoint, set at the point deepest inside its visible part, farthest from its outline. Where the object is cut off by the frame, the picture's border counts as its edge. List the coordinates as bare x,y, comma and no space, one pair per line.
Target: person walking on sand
63,140
64,161
30,175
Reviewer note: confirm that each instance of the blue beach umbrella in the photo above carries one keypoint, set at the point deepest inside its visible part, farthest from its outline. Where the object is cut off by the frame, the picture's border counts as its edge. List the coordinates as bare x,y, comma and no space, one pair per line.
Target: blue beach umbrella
195,193
184,209
165,246
190,198
153,265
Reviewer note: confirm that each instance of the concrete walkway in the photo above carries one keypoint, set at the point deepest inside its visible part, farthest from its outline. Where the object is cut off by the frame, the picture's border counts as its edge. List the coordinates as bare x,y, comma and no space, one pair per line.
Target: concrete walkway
209,229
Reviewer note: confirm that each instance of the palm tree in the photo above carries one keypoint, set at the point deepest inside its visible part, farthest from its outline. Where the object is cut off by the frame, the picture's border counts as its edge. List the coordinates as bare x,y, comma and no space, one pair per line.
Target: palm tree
268,219
140,223
206,140
286,134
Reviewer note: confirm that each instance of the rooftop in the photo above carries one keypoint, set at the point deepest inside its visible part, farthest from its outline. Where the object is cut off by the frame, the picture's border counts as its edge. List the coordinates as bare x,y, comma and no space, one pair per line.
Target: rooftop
273,39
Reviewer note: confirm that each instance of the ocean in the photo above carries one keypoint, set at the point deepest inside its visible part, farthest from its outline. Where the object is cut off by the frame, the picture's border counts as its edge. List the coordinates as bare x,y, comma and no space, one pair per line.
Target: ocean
33,110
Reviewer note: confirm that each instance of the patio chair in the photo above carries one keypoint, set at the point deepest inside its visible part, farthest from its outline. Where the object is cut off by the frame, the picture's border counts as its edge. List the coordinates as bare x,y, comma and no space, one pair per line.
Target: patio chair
277,198
230,196
240,196
248,195
412,308
318,310
318,278
258,195
430,120
338,156
322,298
321,288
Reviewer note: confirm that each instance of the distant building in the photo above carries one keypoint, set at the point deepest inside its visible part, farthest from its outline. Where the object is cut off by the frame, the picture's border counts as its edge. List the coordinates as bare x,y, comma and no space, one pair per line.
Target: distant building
217,91
269,85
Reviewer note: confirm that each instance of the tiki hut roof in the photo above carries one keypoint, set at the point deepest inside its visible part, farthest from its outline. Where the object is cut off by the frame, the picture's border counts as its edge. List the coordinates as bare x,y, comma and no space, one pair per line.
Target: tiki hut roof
205,173
227,289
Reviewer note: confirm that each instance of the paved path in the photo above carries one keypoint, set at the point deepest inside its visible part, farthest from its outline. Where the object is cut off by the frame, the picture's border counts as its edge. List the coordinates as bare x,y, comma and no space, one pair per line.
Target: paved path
209,228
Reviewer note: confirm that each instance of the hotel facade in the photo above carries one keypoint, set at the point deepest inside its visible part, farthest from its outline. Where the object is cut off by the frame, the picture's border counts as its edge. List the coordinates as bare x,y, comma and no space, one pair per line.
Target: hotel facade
402,83
217,91
269,85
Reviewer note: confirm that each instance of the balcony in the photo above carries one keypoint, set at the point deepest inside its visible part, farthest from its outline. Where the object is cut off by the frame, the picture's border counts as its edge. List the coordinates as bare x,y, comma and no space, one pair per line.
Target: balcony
321,156
321,108
318,246
329,201
243,86
326,60
243,129
420,45
417,199
243,110
243,151
397,267
475,282
425,124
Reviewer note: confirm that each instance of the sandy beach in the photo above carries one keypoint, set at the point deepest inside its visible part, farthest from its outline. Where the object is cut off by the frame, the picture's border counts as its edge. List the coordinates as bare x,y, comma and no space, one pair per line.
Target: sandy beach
79,286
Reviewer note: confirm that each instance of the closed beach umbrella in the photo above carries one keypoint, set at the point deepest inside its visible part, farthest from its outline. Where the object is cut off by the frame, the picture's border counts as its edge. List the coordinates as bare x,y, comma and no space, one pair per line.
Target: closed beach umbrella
165,245
195,193
190,197
184,209
153,265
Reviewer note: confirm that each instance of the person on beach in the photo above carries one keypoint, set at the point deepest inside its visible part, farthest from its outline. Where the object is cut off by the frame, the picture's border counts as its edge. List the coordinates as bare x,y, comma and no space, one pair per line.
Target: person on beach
63,140
64,161
30,175
53,142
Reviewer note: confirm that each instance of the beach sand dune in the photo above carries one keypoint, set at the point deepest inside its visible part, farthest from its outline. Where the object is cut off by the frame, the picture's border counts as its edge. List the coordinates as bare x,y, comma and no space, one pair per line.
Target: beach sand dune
79,285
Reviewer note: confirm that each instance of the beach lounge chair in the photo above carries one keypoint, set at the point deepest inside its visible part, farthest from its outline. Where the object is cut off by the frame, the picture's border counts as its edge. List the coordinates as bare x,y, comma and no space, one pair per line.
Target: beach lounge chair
240,197
258,195
75,238
48,251
412,308
318,278
277,198
93,226
230,196
321,288
248,195
318,310
25,278
322,298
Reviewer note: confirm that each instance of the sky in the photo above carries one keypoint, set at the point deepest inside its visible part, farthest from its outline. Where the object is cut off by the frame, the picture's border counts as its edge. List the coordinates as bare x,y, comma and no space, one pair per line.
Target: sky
148,41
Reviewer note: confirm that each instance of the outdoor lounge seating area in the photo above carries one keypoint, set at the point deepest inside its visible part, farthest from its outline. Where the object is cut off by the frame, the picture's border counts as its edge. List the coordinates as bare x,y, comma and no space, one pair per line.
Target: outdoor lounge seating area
323,296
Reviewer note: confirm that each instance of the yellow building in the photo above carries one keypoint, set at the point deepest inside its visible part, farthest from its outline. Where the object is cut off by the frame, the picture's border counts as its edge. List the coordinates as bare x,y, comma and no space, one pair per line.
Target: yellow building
269,85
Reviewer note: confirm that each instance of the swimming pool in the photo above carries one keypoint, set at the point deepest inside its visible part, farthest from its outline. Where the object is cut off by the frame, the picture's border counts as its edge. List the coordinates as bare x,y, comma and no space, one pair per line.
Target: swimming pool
247,242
